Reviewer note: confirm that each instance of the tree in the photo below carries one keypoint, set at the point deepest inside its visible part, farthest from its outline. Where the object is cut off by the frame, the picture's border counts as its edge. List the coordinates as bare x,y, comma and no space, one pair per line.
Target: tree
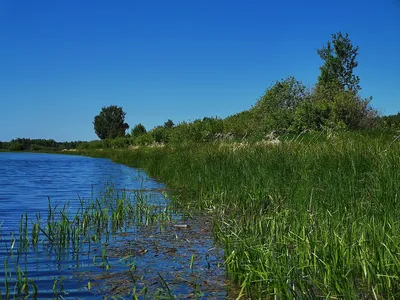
337,88
138,130
275,110
339,56
110,123
169,124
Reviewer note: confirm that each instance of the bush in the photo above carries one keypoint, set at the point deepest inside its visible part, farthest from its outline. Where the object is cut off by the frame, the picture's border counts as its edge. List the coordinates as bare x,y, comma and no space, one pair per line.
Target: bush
145,139
276,109
241,125
160,134
96,144
345,110
120,143
311,114
351,110
389,122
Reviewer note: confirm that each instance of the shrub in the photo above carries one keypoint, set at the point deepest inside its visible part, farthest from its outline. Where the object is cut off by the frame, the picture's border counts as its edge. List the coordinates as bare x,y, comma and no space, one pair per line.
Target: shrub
276,109
160,134
311,114
145,139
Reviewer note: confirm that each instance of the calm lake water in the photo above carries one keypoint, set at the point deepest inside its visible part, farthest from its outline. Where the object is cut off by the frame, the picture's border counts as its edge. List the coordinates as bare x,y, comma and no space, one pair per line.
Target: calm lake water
187,258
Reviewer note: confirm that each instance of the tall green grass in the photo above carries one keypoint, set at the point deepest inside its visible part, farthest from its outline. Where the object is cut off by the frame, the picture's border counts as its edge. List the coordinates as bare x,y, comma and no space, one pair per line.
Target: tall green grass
316,216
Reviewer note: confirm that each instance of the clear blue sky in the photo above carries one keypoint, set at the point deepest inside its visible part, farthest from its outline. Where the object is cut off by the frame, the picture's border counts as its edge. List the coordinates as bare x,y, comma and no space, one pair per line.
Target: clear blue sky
62,61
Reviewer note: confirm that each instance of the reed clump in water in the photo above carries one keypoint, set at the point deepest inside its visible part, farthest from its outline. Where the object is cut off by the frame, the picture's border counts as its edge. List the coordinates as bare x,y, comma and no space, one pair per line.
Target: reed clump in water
60,232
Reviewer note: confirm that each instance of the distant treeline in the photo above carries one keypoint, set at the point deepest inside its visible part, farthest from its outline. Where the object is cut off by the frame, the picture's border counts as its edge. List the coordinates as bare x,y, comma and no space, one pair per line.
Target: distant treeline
244,125
286,107
390,122
26,144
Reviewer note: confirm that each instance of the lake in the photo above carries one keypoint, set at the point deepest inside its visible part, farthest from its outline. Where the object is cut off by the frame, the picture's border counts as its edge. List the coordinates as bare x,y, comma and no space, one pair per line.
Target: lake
76,227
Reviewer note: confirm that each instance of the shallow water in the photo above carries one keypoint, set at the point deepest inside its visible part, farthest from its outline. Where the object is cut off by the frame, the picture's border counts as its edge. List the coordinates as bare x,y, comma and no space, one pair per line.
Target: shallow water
137,257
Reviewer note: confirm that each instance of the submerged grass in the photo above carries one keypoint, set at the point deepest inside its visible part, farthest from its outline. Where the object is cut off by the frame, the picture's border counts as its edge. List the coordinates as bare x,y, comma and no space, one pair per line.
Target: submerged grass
314,216
97,221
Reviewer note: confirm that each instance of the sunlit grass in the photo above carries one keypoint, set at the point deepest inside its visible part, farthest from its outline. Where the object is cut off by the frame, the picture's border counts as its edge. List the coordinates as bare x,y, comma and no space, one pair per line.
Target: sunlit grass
313,216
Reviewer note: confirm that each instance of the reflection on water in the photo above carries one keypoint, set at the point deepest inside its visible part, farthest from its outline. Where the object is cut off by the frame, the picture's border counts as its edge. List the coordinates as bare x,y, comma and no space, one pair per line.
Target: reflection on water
28,179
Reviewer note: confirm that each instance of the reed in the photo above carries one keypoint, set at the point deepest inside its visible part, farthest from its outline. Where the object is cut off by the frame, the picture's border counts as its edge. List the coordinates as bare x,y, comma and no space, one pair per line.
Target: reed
314,216
61,231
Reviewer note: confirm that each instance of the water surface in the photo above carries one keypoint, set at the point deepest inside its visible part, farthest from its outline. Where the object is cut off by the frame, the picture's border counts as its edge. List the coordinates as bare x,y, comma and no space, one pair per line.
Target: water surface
27,180
30,181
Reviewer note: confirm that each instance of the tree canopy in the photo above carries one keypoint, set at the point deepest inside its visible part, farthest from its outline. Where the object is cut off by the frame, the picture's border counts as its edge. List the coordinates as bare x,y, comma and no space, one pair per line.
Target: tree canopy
110,123
337,96
169,124
138,130
276,108
339,56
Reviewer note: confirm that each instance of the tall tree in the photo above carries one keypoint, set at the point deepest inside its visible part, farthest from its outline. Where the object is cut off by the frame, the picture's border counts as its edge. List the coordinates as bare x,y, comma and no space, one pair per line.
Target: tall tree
110,123
339,56
337,91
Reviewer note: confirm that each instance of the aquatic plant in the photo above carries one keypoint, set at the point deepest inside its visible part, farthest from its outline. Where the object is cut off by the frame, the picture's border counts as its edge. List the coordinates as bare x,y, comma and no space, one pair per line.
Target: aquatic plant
61,231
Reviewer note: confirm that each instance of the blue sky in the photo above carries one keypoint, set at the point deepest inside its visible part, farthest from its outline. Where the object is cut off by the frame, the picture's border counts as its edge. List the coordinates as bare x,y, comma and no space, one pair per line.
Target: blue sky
62,61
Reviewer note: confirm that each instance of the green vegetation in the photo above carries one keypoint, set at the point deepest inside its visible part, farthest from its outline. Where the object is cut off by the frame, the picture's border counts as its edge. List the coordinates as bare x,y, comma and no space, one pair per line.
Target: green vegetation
24,144
334,103
339,56
314,216
110,123
390,122
138,130
311,214
96,224
169,124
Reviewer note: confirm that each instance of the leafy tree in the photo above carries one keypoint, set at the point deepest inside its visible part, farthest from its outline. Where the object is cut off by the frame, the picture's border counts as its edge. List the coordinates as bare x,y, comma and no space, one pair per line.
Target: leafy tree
337,88
339,56
275,110
169,124
110,123
138,130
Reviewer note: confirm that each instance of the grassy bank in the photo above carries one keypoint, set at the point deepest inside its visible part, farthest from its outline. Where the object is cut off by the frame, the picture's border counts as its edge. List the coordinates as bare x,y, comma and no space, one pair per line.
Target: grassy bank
316,216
